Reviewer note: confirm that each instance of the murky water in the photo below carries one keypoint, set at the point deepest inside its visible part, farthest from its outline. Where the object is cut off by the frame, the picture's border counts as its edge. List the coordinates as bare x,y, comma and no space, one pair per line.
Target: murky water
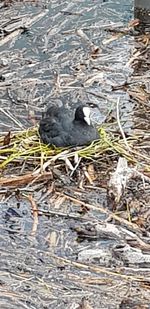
51,48
52,64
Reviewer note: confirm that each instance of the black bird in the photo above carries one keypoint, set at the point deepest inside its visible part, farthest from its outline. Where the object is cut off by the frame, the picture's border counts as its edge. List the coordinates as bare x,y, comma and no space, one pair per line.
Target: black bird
59,129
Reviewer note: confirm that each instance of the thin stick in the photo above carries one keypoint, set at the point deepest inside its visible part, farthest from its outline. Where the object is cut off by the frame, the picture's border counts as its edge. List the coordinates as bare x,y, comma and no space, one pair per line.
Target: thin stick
35,214
120,127
12,118
104,211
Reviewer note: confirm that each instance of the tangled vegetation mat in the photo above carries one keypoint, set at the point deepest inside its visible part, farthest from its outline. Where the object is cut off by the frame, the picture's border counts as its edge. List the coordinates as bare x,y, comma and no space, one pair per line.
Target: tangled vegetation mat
74,222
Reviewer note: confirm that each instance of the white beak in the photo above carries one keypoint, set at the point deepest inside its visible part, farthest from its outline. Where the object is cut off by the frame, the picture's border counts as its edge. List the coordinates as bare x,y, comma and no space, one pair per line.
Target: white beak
87,120
86,111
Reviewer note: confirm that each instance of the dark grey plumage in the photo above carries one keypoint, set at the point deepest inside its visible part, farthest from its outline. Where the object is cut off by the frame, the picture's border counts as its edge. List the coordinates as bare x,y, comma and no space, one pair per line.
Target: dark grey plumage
60,129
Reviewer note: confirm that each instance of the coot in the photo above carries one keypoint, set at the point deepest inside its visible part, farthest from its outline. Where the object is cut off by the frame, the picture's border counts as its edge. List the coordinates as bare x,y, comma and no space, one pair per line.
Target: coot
59,129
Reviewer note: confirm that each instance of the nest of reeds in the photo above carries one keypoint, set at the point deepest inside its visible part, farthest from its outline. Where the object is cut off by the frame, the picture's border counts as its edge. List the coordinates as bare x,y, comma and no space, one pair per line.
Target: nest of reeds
25,146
